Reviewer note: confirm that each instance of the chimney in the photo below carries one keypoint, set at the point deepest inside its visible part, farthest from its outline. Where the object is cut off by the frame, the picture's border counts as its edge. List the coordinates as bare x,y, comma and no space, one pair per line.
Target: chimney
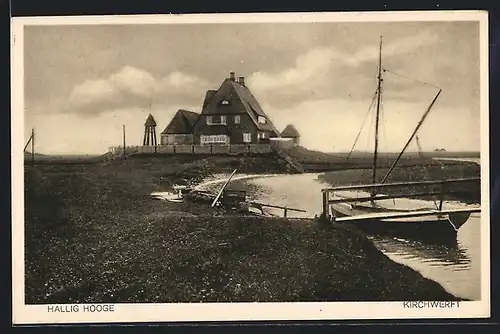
241,81
232,76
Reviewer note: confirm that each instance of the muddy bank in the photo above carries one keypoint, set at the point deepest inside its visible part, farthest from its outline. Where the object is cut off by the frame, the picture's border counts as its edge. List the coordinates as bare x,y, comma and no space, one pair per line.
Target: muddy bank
94,234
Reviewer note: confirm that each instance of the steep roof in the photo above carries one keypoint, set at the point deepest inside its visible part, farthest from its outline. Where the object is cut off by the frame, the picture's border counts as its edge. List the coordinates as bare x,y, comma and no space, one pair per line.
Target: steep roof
182,122
290,132
240,100
150,121
208,96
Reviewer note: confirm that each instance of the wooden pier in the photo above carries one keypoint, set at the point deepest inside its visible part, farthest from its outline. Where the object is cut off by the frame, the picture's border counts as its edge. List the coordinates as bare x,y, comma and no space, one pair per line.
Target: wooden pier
327,201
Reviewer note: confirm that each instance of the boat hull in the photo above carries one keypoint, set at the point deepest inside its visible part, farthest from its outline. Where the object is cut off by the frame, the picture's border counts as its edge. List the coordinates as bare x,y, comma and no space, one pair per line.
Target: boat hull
438,228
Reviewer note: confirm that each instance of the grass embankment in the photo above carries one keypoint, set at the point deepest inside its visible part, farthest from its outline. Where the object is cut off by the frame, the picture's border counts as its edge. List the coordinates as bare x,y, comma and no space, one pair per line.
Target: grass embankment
93,234
315,161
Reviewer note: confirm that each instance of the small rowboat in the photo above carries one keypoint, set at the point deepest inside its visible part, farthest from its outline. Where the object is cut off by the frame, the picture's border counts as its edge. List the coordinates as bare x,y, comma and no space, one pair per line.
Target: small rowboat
176,196
169,196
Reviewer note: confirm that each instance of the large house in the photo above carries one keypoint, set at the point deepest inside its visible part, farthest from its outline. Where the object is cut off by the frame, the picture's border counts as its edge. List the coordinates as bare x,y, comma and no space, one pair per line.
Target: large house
229,115
232,115
180,128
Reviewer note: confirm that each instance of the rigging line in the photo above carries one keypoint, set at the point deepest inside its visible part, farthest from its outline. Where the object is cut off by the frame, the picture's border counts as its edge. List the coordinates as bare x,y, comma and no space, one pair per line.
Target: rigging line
362,126
413,79
419,147
27,143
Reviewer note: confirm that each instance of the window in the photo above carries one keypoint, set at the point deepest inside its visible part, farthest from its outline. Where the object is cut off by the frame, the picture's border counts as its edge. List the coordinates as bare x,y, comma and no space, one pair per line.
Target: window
224,102
262,135
213,139
261,120
237,119
212,120
247,137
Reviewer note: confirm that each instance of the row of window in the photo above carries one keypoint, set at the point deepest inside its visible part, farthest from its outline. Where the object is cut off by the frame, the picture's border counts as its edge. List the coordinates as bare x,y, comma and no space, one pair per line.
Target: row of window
222,139
247,138
213,139
222,120
237,119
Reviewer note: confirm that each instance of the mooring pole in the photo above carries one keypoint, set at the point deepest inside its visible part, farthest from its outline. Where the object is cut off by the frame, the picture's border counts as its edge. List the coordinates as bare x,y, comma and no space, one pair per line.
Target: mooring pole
441,198
326,205
33,146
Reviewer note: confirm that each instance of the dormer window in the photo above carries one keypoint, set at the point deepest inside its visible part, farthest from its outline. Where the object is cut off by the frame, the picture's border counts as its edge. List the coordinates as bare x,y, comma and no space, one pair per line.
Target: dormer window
262,120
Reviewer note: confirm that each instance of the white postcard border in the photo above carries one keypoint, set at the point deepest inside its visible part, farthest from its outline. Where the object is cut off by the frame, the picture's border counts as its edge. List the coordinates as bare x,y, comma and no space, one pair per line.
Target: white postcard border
187,312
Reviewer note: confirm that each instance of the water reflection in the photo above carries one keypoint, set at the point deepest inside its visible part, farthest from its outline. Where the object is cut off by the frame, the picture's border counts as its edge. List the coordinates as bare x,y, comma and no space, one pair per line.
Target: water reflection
433,254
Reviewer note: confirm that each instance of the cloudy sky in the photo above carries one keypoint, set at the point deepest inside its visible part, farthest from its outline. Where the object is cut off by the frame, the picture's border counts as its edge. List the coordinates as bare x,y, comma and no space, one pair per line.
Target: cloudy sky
82,83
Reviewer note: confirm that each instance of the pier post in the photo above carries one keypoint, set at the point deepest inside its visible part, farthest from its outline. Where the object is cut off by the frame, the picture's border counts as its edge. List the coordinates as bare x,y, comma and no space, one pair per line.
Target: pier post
284,212
326,212
441,196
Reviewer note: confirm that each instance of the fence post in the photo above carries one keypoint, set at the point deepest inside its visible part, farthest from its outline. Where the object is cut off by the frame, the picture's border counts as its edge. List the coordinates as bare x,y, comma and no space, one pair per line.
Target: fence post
174,148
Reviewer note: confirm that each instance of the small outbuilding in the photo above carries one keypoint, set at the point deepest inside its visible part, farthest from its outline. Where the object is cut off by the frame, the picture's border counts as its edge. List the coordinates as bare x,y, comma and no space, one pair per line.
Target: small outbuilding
291,132
180,128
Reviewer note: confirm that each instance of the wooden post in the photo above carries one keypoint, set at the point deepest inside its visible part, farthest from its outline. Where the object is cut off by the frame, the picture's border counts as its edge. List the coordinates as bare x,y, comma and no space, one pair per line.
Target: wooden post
326,205
285,210
124,144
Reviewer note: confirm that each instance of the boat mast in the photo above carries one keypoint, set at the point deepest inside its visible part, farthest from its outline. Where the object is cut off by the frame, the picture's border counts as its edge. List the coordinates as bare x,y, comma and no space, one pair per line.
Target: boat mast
379,97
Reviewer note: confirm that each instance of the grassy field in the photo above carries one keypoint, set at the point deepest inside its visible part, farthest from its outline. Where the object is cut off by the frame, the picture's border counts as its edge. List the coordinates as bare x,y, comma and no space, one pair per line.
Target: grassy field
94,234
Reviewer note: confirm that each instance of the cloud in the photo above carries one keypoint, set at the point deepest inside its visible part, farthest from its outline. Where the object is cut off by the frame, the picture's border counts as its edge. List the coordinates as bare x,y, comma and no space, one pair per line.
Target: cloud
133,87
328,72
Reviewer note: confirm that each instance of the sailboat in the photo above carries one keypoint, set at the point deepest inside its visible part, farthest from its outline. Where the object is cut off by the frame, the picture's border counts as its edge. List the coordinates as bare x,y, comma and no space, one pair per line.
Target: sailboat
402,213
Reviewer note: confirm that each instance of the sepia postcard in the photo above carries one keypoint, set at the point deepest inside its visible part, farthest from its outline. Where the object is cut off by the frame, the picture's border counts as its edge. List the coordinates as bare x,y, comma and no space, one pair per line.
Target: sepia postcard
243,167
